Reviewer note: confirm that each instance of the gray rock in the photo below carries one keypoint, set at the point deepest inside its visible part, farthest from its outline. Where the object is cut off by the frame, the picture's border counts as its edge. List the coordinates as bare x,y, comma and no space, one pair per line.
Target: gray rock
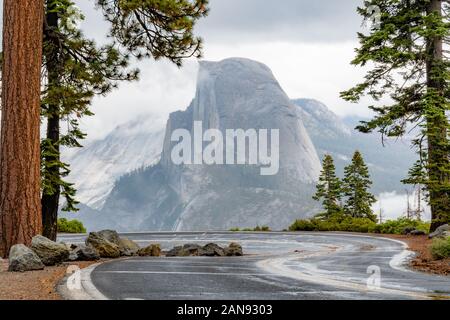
110,235
104,247
209,250
51,253
439,233
73,256
193,249
188,250
22,258
213,250
84,253
408,230
128,247
417,233
175,252
153,250
234,250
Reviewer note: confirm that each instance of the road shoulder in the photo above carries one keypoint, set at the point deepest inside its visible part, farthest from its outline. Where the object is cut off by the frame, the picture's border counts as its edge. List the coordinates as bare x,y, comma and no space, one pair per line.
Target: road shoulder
34,285
423,260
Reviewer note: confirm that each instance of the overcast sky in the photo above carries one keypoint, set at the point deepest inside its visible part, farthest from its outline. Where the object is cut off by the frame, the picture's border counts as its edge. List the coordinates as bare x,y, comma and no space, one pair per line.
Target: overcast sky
307,44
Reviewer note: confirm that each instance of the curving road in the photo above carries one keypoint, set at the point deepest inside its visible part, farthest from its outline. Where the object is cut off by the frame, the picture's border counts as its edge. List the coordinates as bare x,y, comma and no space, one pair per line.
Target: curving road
276,266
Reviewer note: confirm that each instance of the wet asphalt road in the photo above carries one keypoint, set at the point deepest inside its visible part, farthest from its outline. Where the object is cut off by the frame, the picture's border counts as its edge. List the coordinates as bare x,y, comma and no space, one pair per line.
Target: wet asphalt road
276,266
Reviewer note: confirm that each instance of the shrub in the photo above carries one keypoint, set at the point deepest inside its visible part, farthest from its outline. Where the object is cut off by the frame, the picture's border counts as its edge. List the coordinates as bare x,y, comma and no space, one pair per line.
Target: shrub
440,249
340,222
72,226
257,229
399,225
263,228
303,225
362,225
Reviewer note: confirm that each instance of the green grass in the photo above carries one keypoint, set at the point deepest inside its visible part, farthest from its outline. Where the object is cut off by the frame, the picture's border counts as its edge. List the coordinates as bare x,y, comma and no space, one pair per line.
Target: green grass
72,226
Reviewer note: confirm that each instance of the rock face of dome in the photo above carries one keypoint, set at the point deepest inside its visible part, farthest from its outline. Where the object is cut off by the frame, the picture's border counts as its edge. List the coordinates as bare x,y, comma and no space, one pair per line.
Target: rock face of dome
231,94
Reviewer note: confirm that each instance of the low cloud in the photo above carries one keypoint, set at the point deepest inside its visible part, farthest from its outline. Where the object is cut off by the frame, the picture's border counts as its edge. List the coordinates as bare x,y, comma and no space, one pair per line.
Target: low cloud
318,21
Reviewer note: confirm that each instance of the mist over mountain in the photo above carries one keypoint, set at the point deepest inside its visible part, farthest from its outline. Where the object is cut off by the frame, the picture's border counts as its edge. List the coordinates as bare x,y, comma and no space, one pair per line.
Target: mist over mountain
127,181
231,94
96,167
388,163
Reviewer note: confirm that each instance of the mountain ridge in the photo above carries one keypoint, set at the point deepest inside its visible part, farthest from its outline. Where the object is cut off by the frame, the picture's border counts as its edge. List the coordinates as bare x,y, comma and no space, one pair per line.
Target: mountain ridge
146,191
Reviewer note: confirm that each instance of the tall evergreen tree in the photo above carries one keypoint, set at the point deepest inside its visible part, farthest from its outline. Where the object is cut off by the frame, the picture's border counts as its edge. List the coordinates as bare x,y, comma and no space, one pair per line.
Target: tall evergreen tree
329,188
158,29
20,214
356,185
76,70
405,51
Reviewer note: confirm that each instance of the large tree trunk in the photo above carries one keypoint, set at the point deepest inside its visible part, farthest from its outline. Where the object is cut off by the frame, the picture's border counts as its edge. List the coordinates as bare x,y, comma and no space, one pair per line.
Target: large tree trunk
20,182
437,132
50,202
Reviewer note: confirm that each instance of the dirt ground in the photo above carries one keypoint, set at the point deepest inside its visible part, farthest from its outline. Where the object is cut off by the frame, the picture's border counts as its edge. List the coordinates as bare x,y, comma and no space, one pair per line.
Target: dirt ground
33,285
423,260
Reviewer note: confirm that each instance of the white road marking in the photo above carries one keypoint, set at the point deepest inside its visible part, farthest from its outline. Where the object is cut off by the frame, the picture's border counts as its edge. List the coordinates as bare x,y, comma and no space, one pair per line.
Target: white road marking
189,273
207,265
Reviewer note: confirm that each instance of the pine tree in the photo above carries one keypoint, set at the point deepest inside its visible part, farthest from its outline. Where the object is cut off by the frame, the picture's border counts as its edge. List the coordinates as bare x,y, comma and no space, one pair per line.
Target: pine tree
158,29
410,66
76,70
329,188
356,185
20,214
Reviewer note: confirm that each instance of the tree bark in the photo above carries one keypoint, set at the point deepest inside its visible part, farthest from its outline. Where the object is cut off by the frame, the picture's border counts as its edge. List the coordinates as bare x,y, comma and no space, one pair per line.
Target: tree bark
437,131
50,202
20,182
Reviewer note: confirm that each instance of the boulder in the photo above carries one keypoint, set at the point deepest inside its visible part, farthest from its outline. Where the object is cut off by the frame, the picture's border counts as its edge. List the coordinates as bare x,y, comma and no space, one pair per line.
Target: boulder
73,256
213,250
110,235
176,252
408,230
234,250
188,250
104,247
439,233
192,250
128,247
84,253
50,252
22,258
153,250
417,233
209,250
